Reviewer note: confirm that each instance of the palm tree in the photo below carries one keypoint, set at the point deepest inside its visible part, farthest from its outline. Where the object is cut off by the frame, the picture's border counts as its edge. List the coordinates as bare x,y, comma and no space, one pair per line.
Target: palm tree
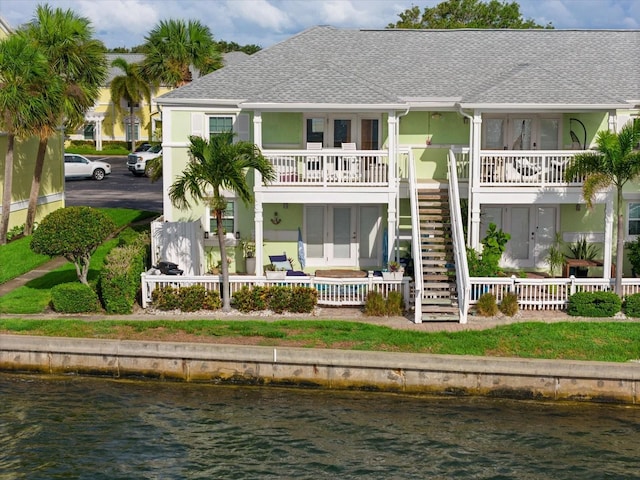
613,163
26,96
219,164
173,46
132,87
79,61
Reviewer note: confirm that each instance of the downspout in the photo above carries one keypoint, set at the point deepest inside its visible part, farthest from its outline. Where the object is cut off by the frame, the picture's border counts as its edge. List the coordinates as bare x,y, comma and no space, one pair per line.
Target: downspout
398,185
470,183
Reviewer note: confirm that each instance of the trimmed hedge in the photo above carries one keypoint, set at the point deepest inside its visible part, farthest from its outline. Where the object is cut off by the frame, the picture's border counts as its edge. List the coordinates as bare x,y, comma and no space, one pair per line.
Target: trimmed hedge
632,305
74,297
119,282
277,298
594,304
186,299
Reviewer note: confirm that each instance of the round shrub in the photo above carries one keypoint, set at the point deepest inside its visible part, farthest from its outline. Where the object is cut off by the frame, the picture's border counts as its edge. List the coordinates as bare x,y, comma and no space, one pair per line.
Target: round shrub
486,306
303,299
395,304
212,301
509,304
74,298
165,298
375,305
632,305
594,304
279,298
191,298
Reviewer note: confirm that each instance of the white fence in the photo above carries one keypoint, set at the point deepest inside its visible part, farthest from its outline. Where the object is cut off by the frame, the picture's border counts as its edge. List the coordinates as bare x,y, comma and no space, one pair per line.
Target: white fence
331,291
546,293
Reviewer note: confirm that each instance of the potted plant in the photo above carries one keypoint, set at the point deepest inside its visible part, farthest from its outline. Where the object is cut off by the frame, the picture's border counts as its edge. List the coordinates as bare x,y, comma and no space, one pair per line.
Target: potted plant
274,273
249,251
395,271
634,256
582,250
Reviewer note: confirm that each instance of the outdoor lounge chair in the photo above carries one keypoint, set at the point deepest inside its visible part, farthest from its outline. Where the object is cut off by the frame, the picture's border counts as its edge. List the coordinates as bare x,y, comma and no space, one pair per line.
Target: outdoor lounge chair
281,262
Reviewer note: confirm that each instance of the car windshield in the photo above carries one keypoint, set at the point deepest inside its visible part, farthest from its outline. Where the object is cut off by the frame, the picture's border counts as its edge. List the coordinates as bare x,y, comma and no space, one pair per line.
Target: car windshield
156,149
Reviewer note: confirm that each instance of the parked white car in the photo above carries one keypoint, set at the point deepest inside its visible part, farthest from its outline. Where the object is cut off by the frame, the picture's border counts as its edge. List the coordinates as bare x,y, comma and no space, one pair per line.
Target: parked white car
137,161
77,166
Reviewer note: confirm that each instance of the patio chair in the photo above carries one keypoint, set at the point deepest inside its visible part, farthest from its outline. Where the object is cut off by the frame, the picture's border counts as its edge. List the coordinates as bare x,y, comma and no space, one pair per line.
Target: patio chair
281,262
313,164
350,164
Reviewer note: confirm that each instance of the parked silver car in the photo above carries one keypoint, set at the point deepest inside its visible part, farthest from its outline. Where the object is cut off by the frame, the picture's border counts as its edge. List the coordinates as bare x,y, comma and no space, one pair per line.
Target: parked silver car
77,166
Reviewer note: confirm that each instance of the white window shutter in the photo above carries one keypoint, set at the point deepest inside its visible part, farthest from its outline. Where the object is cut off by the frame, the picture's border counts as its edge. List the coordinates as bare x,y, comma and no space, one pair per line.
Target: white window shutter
197,124
242,127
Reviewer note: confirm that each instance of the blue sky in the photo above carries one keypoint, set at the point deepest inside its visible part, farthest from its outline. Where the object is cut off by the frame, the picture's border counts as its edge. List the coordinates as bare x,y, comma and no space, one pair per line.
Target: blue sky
124,23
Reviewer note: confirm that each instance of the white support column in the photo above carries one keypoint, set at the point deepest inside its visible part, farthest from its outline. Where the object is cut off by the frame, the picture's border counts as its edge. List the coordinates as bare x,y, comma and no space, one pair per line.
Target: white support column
613,121
257,139
474,172
258,221
98,133
392,222
167,170
608,237
392,146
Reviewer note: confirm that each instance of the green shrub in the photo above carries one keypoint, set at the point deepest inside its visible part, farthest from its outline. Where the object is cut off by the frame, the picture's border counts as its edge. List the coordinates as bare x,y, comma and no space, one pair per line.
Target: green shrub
279,298
486,306
165,298
119,282
212,301
632,305
74,298
395,304
509,304
192,298
303,299
251,299
375,305
594,304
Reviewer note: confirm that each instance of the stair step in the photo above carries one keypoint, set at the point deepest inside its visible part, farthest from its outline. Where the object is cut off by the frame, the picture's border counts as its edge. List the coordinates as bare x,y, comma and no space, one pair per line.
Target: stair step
443,317
439,309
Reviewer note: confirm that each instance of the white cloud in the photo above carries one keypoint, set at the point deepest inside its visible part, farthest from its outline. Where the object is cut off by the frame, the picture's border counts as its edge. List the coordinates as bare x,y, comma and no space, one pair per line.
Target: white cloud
262,13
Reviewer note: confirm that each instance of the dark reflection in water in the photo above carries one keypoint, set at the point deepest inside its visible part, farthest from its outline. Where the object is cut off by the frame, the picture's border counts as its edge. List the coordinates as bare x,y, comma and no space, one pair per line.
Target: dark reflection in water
104,429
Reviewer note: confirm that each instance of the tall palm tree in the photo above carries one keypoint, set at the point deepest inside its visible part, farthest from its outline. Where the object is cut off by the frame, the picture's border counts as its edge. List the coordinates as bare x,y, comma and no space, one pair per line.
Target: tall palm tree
219,164
613,163
173,46
132,87
79,61
26,96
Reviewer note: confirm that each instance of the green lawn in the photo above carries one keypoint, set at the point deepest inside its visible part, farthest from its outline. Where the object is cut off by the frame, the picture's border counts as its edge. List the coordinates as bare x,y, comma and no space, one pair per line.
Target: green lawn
598,341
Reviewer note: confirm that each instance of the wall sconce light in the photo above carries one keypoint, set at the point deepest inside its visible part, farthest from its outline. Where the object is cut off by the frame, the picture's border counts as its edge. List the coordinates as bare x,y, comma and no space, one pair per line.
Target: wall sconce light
285,205
465,120
206,234
237,235
436,115
578,207
276,219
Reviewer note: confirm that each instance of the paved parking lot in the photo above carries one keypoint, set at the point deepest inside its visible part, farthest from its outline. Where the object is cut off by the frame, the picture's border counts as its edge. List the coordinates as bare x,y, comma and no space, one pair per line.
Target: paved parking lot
118,190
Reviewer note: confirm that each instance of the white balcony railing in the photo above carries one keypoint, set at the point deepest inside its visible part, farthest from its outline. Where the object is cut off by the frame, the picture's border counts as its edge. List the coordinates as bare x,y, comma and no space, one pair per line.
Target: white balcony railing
329,167
526,168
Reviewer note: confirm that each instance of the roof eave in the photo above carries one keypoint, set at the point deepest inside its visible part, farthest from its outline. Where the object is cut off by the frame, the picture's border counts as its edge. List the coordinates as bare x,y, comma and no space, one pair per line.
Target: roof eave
497,107
296,107
205,102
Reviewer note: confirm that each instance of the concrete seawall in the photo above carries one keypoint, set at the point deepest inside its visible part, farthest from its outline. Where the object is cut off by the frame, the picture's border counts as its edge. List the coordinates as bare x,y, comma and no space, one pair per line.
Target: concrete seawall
333,369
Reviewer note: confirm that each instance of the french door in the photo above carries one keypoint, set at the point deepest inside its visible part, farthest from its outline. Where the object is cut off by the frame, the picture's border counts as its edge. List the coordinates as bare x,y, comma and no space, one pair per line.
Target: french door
343,235
532,229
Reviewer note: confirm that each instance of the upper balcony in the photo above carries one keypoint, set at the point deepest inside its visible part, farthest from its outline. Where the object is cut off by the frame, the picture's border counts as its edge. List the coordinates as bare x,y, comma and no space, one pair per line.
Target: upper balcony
520,168
329,167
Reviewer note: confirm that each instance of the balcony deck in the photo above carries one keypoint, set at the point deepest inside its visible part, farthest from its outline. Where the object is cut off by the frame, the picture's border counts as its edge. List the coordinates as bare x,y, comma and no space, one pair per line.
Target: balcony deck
329,167
520,168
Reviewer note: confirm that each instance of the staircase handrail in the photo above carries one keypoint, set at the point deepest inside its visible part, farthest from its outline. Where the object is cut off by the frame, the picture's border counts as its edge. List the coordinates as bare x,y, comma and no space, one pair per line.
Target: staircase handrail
416,246
463,284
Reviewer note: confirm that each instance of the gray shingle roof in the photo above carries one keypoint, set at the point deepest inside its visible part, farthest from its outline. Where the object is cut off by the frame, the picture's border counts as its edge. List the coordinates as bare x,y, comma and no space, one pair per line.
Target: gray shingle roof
325,65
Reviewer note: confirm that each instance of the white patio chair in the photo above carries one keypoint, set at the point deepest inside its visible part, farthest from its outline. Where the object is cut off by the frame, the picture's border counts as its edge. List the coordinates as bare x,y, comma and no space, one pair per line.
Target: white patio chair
350,163
313,164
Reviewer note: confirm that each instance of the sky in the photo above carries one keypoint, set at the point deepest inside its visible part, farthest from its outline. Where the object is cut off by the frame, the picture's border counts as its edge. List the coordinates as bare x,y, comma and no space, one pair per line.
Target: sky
124,23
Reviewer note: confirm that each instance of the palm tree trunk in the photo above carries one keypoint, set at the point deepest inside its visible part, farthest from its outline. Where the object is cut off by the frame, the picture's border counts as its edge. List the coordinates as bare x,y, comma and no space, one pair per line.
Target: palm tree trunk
7,189
226,291
35,186
131,127
619,244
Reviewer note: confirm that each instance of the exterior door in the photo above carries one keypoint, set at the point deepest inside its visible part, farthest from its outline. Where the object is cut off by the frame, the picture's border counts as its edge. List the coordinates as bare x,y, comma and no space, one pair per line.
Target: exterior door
342,130
342,236
545,233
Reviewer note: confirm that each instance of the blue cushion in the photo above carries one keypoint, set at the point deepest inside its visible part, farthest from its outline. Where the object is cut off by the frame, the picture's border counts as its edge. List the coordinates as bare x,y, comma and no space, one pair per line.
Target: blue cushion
277,258
296,273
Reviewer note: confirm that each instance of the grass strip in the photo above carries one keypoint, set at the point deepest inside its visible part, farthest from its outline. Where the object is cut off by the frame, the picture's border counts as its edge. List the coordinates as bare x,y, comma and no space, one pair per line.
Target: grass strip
595,341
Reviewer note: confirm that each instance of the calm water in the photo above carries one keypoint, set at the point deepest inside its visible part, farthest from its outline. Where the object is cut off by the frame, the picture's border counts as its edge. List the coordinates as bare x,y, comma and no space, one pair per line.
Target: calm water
104,429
